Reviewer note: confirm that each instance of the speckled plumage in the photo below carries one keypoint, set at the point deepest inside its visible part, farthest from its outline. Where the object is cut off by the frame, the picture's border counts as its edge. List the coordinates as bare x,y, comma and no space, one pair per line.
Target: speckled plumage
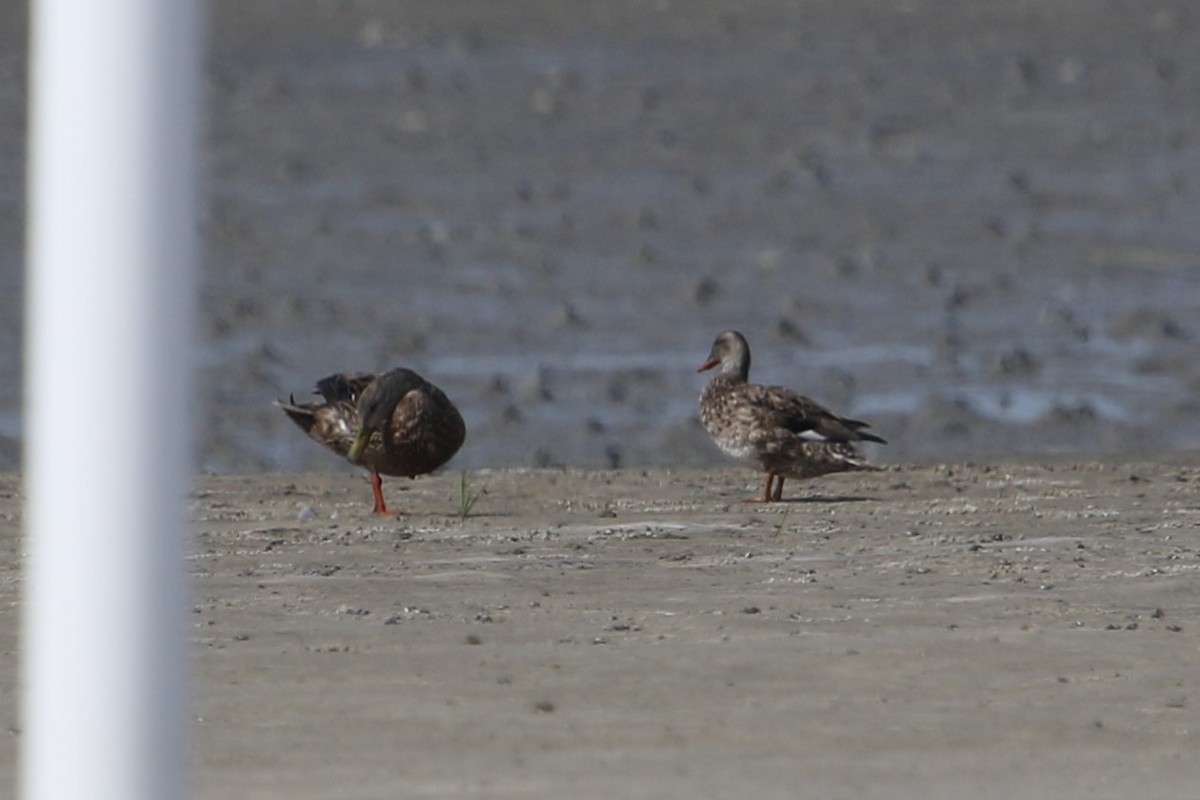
402,424
772,428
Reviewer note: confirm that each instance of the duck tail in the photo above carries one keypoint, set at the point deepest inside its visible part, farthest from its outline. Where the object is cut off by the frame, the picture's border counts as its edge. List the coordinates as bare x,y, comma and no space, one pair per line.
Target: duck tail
849,458
302,415
857,426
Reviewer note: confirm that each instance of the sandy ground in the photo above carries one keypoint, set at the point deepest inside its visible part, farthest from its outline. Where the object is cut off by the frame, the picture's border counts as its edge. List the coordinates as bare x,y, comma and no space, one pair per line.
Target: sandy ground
1004,631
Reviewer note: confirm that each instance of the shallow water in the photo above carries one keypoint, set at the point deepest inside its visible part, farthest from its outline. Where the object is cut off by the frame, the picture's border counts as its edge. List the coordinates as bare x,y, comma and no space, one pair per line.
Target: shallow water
974,226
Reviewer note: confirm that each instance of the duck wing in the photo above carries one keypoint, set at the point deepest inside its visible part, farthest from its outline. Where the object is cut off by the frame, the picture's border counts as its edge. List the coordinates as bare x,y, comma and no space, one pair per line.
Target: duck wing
344,386
782,409
425,430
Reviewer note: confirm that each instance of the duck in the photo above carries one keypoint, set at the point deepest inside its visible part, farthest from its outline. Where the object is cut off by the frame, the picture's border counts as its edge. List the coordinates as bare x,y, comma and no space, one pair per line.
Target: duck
393,423
779,431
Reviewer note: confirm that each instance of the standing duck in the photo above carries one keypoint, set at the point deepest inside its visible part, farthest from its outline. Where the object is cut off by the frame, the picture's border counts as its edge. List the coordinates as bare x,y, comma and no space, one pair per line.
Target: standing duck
783,433
395,423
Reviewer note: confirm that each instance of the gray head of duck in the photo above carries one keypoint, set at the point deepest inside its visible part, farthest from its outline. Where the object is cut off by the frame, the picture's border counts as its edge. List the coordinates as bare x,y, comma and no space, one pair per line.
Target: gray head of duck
731,352
377,404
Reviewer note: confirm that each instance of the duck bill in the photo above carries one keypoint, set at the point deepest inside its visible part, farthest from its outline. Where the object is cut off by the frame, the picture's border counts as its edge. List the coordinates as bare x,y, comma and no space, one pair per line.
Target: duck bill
360,444
712,362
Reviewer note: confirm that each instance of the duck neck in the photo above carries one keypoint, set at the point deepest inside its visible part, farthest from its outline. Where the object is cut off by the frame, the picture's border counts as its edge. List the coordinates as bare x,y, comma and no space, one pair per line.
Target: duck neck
737,369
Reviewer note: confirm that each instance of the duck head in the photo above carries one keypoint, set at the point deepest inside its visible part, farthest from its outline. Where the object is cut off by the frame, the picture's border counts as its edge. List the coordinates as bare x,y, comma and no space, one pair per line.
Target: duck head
731,353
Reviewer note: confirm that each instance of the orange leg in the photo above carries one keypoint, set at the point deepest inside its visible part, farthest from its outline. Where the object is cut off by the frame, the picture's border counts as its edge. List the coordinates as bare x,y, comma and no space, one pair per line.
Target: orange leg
377,488
765,497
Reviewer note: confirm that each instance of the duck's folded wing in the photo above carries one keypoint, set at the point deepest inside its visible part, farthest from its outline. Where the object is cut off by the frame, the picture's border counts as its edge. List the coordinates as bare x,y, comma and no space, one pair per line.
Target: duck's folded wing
806,418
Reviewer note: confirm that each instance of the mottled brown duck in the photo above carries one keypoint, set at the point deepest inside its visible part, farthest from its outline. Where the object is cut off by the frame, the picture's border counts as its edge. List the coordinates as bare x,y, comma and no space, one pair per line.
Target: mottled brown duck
395,423
772,428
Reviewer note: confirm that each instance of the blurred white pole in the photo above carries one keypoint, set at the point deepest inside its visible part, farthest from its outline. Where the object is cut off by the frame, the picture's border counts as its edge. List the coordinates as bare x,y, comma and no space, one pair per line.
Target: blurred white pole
110,261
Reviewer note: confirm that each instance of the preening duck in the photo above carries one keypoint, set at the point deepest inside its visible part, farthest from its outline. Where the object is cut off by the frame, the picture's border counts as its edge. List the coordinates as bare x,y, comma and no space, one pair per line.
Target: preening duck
394,423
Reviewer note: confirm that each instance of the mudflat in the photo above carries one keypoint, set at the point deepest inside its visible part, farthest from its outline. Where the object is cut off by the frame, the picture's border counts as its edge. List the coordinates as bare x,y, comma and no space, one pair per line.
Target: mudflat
970,223
1016,630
